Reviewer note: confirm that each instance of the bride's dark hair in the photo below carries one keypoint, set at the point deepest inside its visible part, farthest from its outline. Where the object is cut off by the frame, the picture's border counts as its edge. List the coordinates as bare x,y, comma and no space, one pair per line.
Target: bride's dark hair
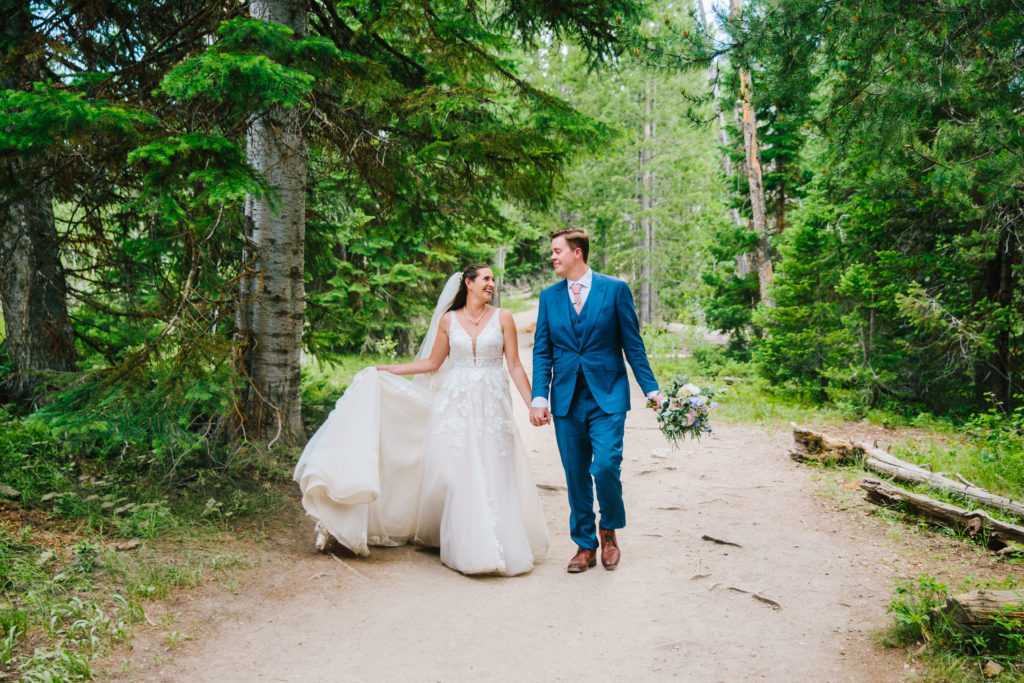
470,273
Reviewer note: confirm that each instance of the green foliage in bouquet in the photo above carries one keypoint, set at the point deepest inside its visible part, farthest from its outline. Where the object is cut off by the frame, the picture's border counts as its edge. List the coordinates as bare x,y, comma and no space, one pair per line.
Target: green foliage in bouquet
687,410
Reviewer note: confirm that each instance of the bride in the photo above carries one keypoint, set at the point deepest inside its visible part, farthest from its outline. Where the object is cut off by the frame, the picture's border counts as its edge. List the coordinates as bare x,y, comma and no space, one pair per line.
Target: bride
438,460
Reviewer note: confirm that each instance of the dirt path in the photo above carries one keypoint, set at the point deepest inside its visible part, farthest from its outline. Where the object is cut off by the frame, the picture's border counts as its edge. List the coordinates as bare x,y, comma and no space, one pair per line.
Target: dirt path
679,607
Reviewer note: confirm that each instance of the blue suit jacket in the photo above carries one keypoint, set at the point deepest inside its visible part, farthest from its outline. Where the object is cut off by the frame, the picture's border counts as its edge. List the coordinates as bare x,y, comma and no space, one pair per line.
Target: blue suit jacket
610,329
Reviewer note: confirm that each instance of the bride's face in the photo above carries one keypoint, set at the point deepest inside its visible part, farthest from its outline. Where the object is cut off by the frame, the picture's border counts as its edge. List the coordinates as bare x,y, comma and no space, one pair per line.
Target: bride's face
482,288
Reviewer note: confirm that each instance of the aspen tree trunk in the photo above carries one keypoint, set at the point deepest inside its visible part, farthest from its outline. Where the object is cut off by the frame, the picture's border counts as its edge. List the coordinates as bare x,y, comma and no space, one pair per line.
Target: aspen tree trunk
272,299
743,261
759,223
499,275
33,288
723,138
646,222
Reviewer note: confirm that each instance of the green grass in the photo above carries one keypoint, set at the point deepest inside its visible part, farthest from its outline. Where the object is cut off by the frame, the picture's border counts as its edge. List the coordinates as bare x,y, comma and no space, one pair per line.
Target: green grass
950,651
66,600
90,534
517,302
323,382
988,449
85,542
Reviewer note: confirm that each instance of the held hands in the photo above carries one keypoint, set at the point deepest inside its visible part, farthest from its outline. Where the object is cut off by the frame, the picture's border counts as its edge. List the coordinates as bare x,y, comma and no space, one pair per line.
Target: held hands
540,416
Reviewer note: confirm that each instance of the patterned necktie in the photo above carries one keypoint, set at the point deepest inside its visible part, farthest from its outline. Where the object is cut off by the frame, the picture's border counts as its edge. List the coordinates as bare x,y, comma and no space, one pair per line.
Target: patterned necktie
577,302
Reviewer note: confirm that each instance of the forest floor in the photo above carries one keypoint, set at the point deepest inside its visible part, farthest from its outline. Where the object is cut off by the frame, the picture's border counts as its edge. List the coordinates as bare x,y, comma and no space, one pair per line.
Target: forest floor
799,597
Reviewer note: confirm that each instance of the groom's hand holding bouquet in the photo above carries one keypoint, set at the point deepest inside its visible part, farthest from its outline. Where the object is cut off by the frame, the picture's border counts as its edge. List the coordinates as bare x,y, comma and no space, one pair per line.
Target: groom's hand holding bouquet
685,411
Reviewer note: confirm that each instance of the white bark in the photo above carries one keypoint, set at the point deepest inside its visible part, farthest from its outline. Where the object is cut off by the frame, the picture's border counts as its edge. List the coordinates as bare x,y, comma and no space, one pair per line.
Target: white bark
272,292
723,138
646,308
499,275
759,214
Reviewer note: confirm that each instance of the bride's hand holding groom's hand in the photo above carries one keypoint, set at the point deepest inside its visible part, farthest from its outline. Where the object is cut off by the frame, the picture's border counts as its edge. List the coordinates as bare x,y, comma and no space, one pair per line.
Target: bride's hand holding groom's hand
539,416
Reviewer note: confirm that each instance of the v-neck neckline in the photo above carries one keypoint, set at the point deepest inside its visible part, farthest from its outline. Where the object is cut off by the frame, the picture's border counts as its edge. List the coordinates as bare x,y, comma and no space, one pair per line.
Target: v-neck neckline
473,339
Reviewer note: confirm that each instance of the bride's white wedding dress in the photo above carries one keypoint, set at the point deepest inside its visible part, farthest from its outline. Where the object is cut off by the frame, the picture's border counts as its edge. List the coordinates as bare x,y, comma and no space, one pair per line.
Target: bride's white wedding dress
398,461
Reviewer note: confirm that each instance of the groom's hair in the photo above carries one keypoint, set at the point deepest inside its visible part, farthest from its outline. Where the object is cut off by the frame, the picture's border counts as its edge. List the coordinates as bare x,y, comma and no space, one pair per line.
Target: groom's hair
576,238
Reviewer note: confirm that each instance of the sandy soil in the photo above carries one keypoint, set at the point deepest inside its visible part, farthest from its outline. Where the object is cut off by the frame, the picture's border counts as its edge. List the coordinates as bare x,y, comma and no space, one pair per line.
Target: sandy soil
679,607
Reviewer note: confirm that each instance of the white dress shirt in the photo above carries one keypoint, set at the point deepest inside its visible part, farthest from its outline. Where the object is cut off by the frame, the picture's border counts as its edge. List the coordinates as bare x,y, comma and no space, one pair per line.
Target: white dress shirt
587,281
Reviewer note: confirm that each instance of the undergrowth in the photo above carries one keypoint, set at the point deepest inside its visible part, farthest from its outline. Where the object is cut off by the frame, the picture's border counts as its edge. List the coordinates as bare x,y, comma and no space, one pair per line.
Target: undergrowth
89,535
113,495
987,448
951,651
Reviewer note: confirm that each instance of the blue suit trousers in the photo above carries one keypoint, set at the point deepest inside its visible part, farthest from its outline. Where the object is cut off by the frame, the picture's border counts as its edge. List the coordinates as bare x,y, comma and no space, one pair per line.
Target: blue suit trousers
590,443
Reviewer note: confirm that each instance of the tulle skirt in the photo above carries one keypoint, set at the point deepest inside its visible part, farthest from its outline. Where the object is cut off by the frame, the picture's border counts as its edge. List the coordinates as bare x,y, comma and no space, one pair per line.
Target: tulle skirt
396,461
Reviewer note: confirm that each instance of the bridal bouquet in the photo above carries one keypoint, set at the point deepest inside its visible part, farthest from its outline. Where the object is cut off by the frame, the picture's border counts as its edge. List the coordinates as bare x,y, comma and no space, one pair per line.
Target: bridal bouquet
686,411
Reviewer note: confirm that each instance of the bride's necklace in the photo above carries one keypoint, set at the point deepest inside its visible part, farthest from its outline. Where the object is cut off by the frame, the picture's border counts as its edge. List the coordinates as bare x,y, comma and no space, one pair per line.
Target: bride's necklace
478,318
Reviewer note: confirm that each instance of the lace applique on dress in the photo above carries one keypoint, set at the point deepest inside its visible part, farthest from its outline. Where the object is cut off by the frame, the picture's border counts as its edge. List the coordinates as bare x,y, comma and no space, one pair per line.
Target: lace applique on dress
481,378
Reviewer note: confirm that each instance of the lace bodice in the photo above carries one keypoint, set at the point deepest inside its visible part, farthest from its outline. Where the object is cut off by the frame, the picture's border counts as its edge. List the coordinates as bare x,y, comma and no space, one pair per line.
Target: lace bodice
476,385
489,344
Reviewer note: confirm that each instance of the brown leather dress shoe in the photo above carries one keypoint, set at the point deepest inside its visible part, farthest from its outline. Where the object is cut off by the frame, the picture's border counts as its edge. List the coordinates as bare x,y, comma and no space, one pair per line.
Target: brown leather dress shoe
609,549
582,560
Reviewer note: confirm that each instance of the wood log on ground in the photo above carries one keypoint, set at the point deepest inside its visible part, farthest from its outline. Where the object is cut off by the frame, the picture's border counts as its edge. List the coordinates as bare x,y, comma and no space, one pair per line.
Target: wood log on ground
982,607
827,449
971,522
822,447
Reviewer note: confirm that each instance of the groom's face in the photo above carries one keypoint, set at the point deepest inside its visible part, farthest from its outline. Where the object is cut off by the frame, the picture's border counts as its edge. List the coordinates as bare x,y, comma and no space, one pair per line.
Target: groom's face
564,258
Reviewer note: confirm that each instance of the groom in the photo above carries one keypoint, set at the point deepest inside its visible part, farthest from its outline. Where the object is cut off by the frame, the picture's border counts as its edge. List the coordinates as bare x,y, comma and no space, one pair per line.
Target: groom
585,325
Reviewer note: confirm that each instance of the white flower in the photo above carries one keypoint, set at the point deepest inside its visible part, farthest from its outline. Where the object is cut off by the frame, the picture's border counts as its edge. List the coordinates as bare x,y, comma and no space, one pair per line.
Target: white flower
691,389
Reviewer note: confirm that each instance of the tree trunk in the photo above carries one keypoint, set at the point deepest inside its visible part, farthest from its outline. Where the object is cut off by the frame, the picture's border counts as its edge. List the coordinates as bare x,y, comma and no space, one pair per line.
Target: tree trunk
743,261
271,301
759,223
723,139
994,370
40,337
499,275
646,309
33,288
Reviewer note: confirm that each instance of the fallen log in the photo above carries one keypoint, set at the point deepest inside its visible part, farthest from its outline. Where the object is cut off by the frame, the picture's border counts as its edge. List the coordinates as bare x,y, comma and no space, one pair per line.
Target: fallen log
983,607
830,450
971,522
822,447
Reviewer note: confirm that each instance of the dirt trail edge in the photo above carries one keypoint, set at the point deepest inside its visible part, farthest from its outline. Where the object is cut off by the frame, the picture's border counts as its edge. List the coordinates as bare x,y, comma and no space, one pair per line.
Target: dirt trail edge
795,599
